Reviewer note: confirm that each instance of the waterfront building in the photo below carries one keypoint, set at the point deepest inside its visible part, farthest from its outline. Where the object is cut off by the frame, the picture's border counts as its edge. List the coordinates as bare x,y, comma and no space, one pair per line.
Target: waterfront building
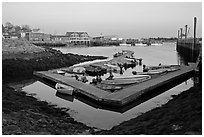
37,36
9,36
78,38
60,38
107,40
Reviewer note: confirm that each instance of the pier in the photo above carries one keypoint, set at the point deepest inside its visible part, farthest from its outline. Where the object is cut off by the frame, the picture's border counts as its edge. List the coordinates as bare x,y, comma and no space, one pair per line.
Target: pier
125,95
189,48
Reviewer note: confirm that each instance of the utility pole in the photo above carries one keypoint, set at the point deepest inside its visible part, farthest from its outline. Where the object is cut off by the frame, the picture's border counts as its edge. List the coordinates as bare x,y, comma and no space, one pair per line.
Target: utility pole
195,20
186,29
181,33
194,39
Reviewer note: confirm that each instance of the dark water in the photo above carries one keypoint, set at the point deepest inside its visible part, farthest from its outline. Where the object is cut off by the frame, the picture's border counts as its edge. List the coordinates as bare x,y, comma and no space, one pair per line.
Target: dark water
104,118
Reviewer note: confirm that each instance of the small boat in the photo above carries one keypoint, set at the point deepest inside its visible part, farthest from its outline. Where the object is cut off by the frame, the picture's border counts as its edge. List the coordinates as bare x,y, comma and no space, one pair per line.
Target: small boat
117,54
60,72
150,72
79,69
131,77
95,70
108,87
164,67
130,59
64,89
126,81
110,65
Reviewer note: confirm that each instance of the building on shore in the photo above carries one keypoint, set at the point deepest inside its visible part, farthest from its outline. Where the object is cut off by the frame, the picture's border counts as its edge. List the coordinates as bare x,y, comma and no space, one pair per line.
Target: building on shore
9,36
60,38
106,40
37,36
78,38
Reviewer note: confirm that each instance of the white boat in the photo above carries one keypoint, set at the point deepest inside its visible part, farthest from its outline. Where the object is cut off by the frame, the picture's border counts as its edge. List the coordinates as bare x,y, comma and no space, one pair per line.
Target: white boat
64,89
131,77
112,66
164,67
79,69
126,81
150,72
60,72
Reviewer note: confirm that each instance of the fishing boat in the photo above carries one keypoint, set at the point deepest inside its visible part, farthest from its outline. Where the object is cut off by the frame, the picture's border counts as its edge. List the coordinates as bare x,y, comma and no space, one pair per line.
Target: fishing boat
126,81
64,89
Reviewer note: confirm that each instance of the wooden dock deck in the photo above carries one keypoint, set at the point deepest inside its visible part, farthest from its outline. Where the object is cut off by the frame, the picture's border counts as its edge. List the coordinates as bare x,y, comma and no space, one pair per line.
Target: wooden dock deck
122,97
86,89
129,94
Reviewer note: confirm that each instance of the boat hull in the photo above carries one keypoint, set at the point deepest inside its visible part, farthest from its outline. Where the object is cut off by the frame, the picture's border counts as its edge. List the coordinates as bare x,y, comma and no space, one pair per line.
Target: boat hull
64,89
126,81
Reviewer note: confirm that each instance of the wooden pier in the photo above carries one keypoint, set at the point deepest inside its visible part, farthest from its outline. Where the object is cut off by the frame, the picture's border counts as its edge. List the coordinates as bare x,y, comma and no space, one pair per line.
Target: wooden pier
189,48
129,94
86,89
121,97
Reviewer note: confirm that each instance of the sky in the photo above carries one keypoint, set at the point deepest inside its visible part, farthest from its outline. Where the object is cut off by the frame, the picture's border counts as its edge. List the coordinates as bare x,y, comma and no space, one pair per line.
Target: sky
125,19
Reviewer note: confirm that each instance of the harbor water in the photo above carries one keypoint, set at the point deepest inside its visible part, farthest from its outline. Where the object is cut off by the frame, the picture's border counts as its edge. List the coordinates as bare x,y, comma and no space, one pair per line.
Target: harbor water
99,117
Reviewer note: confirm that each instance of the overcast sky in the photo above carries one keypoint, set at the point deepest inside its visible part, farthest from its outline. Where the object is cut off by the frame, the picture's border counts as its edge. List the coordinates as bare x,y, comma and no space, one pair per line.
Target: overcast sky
125,19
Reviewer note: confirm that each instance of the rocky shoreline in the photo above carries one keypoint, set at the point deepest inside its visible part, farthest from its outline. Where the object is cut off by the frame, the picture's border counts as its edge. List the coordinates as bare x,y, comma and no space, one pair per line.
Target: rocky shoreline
23,114
180,116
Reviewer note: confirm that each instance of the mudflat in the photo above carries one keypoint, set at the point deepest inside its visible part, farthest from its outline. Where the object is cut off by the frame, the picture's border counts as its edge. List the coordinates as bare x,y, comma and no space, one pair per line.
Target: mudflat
25,115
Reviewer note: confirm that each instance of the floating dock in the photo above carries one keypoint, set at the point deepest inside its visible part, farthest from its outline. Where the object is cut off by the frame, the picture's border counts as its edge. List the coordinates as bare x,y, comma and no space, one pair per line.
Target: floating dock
123,96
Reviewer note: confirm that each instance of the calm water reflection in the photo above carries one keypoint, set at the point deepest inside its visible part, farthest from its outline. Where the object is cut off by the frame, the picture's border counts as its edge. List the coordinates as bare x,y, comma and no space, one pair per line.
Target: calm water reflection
102,118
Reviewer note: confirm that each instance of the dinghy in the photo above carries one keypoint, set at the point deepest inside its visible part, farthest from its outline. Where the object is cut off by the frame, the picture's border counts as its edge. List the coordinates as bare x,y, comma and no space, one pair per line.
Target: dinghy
64,89
131,77
164,67
150,72
126,81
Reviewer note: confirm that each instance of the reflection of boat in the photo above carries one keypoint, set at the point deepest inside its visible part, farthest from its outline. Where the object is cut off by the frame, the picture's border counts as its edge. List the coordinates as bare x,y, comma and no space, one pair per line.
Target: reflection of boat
64,89
126,81
65,97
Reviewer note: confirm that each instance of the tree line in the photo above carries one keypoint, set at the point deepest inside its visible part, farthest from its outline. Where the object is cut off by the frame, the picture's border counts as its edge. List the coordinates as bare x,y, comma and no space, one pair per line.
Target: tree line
15,29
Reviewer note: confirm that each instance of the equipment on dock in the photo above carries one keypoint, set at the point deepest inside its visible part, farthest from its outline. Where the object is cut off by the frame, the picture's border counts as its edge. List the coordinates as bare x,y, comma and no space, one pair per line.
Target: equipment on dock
64,89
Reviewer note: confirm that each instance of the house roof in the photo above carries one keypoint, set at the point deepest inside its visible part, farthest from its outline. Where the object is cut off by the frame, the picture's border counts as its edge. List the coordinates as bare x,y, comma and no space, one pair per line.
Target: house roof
79,33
